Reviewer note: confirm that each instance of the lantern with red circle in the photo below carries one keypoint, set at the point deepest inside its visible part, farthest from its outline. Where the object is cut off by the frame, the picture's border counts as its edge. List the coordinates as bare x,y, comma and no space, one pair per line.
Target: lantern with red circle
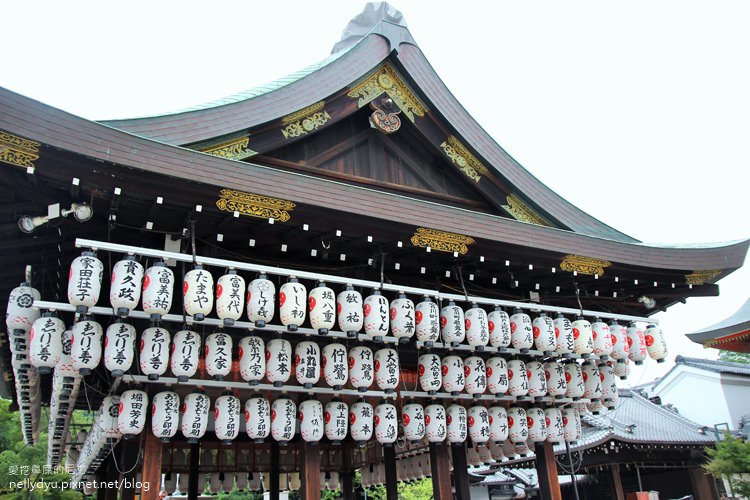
412,416
218,352
361,368
435,423
619,335
230,290
292,304
655,343
452,324
335,368
571,425
475,376
543,329
555,427
536,421
477,327
564,341
125,288
457,423
108,418
499,326
387,369
283,419
518,378
198,292
518,425
158,290
402,318
377,315
261,300
583,342
361,421
85,281
496,370
557,385
165,415
521,330
257,418
186,346
322,308
45,342
537,379
498,417
592,381
349,310
452,369
427,317
21,314
310,414
86,345
252,359
574,379
307,363
336,420
478,422
131,415
428,369
622,369
194,420
119,347
637,343
602,338
154,352
278,361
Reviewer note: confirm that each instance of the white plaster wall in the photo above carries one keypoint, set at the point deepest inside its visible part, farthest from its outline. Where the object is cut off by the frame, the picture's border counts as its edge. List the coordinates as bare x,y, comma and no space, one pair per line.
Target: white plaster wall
697,394
737,395
479,493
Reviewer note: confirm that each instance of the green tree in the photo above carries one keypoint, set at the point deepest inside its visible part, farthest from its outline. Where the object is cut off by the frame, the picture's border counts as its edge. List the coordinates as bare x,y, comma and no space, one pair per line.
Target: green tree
731,457
418,490
734,357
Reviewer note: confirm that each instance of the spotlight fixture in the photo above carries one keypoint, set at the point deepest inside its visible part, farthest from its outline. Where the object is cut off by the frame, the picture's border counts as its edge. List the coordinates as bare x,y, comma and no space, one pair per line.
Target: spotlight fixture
647,302
28,224
82,212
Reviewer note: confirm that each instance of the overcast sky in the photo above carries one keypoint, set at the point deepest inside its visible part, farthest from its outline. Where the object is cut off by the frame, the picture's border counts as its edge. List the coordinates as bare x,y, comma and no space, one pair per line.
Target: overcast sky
637,112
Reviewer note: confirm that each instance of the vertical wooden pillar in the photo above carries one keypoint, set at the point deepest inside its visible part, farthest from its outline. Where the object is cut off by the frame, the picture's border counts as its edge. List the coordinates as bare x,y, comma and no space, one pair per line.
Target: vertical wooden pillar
460,470
391,477
195,471
546,470
618,492
111,476
703,484
275,466
441,472
310,473
347,473
151,472
129,455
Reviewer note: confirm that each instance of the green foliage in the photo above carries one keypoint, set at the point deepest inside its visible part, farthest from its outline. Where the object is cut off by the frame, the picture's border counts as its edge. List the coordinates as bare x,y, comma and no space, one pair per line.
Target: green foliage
731,456
418,490
734,357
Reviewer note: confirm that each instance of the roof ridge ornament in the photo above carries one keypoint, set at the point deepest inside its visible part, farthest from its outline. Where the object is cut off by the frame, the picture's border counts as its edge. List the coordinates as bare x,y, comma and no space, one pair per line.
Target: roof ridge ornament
386,80
380,18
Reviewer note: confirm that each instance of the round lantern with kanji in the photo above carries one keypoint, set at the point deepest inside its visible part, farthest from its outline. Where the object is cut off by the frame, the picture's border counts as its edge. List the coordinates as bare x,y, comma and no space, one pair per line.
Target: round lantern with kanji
45,342
574,380
602,338
257,418
637,343
226,417
377,315
131,415
335,365
21,314
536,421
592,381
230,290
478,423
194,419
387,372
158,290
537,379
361,421
427,317
336,420
435,423
349,311
518,378
322,308
283,419
557,384
518,425
477,327
154,352
252,354
496,369
165,415
292,304
620,346
428,370
402,318
456,422
386,423
475,376
278,361
583,342
86,345
655,343
412,417
564,341
498,418
571,425
498,323
85,281
186,346
307,363
198,292
126,284
218,351
261,300
361,368
452,324
452,369
310,414
543,329
555,426
119,348
521,330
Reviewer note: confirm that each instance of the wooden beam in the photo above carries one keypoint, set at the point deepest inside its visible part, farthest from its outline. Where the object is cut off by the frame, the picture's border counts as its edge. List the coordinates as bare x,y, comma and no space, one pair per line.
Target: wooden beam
441,472
129,456
704,485
195,454
274,481
391,478
546,470
151,472
618,492
460,470
310,473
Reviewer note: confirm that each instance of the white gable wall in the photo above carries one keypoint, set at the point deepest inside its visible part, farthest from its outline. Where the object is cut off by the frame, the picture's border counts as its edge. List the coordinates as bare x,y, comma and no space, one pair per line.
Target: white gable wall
737,395
697,394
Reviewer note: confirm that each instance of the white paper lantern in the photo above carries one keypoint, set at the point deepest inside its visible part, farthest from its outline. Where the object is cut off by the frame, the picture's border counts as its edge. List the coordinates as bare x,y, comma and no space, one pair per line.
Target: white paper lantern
496,450
335,368
218,353
387,372
126,284
45,342
518,425
619,334
456,420
65,365
430,376
498,418
496,370
554,373
186,346
478,420
427,319
435,423
622,369
86,345
165,415
108,418
602,338
518,378
596,407
609,383
412,416
194,419
583,342
361,368
637,344
252,359
537,379
655,343
322,308
310,416
477,327
521,330
85,281
131,415
475,376
564,341
119,348
261,300
571,425
226,418
154,352
230,289
336,420
402,318
292,302
592,381
472,457
198,293
257,418
21,314
536,421
377,315
283,418
452,369
555,427
307,363
574,380
386,423
499,326
361,421
452,324
349,310
543,329
278,361
158,290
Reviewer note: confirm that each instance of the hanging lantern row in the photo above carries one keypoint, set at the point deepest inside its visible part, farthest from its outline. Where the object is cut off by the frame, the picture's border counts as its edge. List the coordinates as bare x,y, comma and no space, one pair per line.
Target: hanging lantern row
97,445
65,385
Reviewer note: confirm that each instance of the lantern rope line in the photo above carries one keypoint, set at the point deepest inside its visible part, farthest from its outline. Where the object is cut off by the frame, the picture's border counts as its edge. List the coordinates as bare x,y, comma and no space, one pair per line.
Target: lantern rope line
461,280
117,466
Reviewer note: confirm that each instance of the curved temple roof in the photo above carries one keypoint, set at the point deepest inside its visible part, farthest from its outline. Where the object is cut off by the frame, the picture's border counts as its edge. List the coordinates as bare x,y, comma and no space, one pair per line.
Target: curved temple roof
733,329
